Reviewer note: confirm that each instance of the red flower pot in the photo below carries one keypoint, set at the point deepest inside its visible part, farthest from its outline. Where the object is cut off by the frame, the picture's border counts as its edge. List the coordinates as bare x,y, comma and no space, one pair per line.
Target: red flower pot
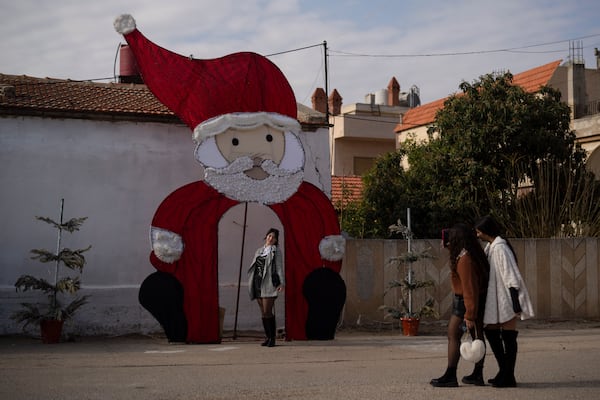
410,326
51,330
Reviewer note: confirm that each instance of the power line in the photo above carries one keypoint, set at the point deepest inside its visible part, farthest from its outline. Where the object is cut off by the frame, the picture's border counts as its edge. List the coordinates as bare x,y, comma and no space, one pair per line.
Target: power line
507,50
293,50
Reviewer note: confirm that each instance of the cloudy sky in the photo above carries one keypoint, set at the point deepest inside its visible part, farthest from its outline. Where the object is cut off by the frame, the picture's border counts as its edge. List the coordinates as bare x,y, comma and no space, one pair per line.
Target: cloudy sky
433,44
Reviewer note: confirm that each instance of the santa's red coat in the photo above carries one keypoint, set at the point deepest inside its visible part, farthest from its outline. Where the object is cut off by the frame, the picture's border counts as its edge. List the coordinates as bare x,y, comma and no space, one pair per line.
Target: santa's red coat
193,212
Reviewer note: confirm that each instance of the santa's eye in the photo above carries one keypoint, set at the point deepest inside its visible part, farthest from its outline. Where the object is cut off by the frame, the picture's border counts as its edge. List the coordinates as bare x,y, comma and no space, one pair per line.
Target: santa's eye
269,138
235,141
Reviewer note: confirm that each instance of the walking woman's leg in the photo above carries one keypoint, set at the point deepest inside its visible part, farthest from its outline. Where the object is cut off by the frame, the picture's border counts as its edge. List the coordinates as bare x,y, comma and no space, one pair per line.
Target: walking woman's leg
476,377
266,305
454,335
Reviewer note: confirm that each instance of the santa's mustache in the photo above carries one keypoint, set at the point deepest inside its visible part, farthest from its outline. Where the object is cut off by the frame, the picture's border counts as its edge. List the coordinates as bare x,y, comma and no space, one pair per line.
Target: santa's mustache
245,163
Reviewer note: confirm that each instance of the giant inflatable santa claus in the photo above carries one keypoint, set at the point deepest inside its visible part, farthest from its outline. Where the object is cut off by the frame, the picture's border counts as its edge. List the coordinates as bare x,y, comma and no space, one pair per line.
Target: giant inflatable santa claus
242,112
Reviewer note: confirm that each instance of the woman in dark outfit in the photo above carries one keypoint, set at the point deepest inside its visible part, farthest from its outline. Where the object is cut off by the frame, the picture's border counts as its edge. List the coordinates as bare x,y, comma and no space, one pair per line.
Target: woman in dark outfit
469,276
266,280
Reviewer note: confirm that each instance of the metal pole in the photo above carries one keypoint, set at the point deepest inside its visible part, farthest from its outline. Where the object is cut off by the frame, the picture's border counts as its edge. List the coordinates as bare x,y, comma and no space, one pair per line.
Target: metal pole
62,207
326,82
410,262
237,300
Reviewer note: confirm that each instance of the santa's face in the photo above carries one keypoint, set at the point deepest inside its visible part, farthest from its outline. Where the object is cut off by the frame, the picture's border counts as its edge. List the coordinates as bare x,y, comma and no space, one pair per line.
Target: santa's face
260,144
259,164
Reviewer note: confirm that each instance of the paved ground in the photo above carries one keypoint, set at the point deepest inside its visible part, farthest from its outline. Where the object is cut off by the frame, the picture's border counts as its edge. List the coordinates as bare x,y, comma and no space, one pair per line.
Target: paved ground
556,361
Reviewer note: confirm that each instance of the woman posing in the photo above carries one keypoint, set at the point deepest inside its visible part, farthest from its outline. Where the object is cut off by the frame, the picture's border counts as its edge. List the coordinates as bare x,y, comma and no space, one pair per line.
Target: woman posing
507,300
469,276
266,280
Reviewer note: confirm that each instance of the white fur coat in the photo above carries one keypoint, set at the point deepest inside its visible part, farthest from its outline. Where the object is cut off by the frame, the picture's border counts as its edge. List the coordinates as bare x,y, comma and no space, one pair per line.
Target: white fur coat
504,274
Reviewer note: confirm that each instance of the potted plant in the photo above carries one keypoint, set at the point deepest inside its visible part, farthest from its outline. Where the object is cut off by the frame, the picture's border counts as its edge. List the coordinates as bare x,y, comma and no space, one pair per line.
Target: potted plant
406,310
61,291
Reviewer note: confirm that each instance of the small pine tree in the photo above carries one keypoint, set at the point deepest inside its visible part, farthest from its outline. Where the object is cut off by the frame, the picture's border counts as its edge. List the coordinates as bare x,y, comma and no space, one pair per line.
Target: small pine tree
67,285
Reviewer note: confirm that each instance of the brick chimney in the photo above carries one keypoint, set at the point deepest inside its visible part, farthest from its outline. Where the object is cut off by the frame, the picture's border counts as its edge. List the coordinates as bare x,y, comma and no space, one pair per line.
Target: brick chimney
393,90
319,100
335,103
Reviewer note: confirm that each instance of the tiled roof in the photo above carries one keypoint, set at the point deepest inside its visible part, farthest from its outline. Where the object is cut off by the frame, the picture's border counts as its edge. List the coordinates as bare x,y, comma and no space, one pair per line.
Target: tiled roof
345,189
420,116
26,95
531,81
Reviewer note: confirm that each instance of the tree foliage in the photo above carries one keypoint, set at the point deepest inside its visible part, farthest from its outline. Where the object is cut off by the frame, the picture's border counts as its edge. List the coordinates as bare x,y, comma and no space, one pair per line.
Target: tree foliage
487,143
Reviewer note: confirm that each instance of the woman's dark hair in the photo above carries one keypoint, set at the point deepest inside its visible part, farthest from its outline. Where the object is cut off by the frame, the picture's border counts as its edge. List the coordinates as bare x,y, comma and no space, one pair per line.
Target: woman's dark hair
460,237
275,233
490,227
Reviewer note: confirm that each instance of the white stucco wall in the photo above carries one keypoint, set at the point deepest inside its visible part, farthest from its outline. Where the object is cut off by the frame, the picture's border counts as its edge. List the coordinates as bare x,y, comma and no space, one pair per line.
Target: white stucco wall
116,174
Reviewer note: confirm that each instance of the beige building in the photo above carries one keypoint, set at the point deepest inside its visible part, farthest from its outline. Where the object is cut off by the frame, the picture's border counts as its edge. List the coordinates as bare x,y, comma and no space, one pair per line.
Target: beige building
361,132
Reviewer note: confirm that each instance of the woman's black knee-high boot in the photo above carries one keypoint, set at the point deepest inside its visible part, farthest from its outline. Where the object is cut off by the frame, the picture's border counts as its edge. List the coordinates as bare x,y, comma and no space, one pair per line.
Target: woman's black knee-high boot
494,338
510,345
272,332
265,322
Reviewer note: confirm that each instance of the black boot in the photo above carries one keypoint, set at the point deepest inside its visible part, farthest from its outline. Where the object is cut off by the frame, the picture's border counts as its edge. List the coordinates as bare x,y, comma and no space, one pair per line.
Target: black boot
446,380
271,332
476,377
507,379
495,340
265,322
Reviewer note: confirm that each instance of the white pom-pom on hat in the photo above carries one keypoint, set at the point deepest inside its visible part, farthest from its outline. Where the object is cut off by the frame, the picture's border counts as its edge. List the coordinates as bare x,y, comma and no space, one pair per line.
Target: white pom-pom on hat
124,24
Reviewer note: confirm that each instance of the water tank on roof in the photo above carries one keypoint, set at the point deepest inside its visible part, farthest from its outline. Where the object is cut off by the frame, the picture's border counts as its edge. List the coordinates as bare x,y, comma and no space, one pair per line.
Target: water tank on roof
381,97
128,68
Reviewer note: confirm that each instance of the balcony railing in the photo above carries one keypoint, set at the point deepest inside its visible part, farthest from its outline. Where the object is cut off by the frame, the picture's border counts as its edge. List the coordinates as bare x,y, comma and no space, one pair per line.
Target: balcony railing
590,108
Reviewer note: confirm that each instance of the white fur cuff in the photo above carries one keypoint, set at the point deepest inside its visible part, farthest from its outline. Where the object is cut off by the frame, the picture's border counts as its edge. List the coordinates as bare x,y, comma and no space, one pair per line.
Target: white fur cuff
124,24
332,247
167,245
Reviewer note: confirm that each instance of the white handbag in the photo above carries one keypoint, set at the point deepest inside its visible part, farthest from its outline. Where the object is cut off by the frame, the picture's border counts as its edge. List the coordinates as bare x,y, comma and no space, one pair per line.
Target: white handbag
472,350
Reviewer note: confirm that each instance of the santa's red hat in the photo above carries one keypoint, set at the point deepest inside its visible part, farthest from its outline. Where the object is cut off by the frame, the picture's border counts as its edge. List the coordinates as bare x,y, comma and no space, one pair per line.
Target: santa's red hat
208,94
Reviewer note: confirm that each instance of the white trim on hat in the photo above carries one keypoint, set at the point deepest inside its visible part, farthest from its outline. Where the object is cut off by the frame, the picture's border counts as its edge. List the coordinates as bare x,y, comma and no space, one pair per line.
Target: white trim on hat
244,121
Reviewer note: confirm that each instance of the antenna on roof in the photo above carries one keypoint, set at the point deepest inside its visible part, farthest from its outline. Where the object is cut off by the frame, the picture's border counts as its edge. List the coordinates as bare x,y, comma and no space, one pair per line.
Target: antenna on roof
576,52
414,96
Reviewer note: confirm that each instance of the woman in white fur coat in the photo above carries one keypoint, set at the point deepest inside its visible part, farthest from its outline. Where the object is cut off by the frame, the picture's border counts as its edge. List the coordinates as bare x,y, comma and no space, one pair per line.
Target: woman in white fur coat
507,300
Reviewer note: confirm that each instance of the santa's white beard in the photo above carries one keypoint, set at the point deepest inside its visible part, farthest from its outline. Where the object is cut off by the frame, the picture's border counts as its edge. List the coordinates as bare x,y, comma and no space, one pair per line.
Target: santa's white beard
231,181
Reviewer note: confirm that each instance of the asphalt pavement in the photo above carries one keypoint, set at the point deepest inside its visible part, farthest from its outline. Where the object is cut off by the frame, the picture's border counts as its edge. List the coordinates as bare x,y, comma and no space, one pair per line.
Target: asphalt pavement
554,362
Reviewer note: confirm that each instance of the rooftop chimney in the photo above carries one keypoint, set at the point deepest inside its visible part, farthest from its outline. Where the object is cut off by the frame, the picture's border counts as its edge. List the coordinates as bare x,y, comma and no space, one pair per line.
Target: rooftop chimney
335,103
319,100
393,93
